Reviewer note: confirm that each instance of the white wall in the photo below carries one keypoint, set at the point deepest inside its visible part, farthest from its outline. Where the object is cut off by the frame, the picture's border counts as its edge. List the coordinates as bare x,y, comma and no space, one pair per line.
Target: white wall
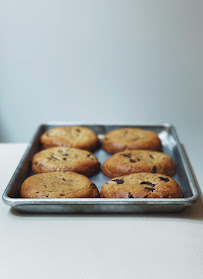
95,61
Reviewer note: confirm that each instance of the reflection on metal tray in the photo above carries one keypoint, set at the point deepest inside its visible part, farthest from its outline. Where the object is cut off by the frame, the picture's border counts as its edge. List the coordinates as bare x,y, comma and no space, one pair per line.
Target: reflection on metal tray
171,146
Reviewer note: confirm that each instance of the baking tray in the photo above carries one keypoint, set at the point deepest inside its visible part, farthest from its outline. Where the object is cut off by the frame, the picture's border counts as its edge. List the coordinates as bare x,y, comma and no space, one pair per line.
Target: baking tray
170,145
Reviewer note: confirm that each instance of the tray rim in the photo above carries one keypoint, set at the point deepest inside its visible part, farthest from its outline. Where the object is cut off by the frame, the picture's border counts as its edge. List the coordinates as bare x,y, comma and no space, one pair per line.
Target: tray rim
109,201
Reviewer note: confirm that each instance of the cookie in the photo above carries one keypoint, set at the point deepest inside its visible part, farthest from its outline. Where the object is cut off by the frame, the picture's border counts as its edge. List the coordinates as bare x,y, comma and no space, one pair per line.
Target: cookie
142,185
134,161
130,138
70,136
58,185
65,159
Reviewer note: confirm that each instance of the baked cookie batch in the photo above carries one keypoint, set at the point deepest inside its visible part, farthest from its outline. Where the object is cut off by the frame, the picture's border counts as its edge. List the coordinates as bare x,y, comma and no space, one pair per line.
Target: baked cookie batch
137,168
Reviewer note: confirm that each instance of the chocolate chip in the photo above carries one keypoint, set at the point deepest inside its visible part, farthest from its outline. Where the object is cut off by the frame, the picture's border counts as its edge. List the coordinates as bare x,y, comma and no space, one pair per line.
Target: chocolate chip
106,138
150,189
151,156
132,161
63,179
41,165
92,185
148,183
90,156
138,159
118,181
78,130
154,169
126,155
164,179
64,159
130,195
47,134
66,154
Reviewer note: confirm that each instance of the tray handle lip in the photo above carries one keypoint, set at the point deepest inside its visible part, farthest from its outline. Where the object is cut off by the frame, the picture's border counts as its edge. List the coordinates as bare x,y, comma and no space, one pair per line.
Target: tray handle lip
91,201
104,123
5,197
190,173
195,185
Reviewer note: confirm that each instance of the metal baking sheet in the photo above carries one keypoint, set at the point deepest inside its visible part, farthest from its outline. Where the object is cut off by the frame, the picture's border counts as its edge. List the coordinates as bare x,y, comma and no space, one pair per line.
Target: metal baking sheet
171,146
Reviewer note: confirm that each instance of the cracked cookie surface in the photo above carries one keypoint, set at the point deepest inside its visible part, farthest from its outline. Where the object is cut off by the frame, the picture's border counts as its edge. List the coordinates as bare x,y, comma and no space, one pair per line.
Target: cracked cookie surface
134,161
130,138
58,185
71,136
141,185
65,159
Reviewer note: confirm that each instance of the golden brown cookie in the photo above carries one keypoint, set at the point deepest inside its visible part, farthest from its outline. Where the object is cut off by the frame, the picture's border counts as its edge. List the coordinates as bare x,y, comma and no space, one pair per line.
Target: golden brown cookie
70,136
65,159
134,161
58,185
130,138
142,185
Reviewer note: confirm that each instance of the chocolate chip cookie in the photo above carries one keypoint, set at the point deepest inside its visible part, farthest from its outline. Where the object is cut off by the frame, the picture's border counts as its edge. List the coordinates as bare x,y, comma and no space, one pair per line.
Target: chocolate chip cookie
141,185
134,161
65,159
71,136
58,185
130,138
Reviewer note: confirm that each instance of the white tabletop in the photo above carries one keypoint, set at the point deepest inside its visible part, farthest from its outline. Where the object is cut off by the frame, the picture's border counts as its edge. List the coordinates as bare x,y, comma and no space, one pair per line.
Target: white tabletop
103,246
